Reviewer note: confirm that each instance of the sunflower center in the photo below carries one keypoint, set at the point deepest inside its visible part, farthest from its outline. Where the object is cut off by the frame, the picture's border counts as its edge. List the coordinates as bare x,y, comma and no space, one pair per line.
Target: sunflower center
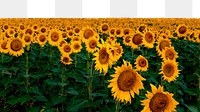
43,30
42,38
67,48
127,39
6,27
126,31
54,36
137,39
92,44
64,35
22,27
118,32
163,44
27,38
182,29
159,102
29,31
66,59
103,56
126,80
149,37
168,70
77,30
170,55
105,27
3,45
70,33
35,27
112,31
88,33
112,38
77,46
16,45
11,32
142,28
142,63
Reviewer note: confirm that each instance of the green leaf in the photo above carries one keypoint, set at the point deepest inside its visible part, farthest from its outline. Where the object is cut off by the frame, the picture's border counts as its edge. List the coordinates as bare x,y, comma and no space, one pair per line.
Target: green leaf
192,108
41,98
79,104
72,91
24,99
58,99
51,82
35,90
12,100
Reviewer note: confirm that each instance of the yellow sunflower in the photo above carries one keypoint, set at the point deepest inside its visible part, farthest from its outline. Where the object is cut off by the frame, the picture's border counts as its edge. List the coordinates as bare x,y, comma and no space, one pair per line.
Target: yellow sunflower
43,29
181,30
29,31
3,46
118,51
27,39
149,39
76,46
127,40
104,28
103,58
70,34
65,59
126,31
162,44
169,70
142,28
119,32
141,63
54,37
91,44
15,46
87,33
11,32
159,101
169,53
112,31
136,40
22,28
125,83
77,30
42,39
65,48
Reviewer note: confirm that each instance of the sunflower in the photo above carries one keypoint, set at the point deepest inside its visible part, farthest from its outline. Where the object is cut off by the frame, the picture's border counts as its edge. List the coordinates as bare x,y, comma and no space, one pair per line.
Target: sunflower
16,46
149,39
65,59
169,53
91,44
141,63
162,44
103,58
3,46
76,46
70,34
76,38
66,48
119,50
77,30
125,83
104,28
191,36
54,37
169,70
11,32
136,40
159,101
27,39
42,39
126,31
87,33
181,30
112,31
29,31
142,28
43,30
5,26
35,27
127,40
119,32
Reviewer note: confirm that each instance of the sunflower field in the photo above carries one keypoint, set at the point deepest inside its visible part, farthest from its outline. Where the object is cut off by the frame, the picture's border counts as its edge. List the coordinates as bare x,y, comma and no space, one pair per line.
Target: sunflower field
99,65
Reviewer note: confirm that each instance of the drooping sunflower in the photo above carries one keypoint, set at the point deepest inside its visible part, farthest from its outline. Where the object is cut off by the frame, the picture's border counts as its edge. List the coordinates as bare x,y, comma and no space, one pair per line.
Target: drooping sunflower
54,37
136,40
3,46
149,39
42,39
91,44
65,59
102,57
15,46
162,44
159,101
169,70
191,36
76,46
125,83
141,63
181,30
169,53
116,52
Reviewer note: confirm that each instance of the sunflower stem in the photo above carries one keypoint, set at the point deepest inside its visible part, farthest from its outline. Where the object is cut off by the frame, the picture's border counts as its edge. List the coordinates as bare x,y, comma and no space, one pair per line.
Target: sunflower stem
117,104
27,76
62,87
75,59
2,56
90,84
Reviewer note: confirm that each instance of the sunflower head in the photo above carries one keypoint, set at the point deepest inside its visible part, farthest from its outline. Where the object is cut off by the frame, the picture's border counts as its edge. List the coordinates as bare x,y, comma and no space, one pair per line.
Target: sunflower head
136,40
54,37
149,39
3,46
169,70
141,63
27,39
169,53
142,28
16,46
162,44
91,45
87,33
182,30
65,59
65,48
159,101
42,39
125,83
104,28
76,46
127,40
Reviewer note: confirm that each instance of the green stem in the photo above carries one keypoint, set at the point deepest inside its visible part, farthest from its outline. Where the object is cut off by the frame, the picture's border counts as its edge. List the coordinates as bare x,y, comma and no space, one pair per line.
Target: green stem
2,56
27,76
75,60
117,104
62,89
90,84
